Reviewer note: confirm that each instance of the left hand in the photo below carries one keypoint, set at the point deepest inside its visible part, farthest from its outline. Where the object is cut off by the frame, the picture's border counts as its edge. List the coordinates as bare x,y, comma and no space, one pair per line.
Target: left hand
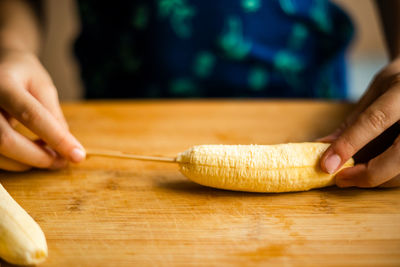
377,110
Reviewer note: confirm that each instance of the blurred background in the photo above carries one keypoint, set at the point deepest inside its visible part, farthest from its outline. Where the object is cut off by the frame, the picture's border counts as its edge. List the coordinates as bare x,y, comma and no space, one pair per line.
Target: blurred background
366,55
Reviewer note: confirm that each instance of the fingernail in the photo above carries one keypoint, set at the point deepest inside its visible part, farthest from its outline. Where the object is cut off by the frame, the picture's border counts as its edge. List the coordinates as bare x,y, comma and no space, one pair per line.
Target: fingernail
77,155
332,163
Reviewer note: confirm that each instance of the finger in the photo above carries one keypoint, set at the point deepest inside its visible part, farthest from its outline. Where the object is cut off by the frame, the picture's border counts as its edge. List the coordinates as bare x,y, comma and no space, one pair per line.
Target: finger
394,182
26,109
380,84
12,165
376,172
348,177
48,96
59,162
17,147
374,90
373,121
12,121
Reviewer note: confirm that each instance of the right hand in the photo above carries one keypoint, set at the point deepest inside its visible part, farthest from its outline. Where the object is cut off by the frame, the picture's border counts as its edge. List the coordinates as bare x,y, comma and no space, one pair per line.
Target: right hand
28,95
376,112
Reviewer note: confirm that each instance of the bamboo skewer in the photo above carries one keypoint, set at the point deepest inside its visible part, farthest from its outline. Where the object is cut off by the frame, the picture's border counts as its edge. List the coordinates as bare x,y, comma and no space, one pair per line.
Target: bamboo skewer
124,155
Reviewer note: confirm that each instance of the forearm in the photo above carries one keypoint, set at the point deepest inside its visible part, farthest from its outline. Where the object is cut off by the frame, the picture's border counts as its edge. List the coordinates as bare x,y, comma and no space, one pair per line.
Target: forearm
19,26
389,11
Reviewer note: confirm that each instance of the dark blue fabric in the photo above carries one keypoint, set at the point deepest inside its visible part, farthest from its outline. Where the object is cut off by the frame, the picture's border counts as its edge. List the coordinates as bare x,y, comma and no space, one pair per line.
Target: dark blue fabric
213,48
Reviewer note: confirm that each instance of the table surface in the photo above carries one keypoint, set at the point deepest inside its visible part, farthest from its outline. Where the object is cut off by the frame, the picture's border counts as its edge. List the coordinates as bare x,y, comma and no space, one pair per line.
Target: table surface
114,212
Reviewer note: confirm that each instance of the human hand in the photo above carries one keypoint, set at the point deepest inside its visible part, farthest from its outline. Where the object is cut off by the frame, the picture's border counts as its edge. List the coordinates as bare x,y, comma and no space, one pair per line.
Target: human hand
28,95
376,111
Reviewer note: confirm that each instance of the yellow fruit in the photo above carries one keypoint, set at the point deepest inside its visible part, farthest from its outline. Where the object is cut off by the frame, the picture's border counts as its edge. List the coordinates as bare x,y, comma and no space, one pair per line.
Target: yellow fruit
22,241
257,168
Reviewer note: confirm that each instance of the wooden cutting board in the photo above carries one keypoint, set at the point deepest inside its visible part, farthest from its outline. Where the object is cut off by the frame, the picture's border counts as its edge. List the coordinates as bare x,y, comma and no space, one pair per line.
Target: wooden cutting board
113,212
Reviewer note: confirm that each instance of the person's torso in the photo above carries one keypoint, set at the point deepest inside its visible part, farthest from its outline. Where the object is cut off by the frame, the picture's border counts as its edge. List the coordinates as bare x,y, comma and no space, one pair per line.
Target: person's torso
213,48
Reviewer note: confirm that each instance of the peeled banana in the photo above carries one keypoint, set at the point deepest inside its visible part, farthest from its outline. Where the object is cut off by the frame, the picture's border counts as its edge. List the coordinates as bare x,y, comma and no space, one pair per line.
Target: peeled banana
257,168
22,241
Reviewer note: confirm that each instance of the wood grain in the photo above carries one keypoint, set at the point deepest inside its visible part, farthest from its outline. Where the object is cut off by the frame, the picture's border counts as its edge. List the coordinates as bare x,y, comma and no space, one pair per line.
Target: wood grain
114,212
